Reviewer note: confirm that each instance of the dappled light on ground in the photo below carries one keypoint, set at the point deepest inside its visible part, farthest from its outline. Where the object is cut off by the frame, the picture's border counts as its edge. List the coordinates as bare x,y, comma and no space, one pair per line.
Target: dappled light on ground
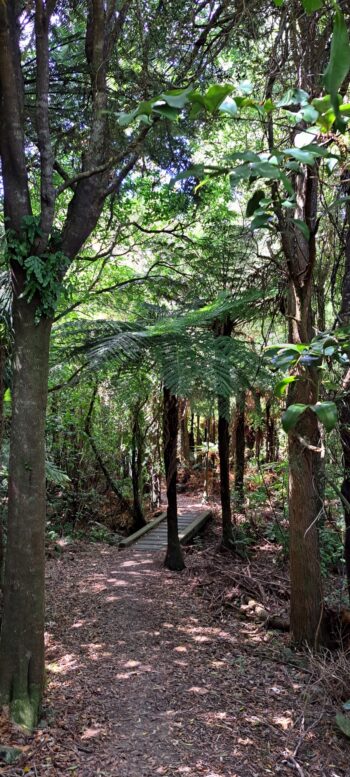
144,681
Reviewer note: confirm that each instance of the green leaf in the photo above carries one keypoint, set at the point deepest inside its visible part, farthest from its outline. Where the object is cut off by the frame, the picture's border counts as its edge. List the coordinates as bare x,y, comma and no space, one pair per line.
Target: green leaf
327,414
167,112
7,395
339,62
278,3
216,95
177,98
261,222
291,416
229,106
286,347
282,385
303,228
266,170
293,97
268,105
254,202
287,184
312,5
305,157
241,172
343,723
320,151
309,113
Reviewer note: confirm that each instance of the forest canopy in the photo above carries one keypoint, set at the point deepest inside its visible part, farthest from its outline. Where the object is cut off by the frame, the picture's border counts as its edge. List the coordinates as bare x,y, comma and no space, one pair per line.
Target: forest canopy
174,297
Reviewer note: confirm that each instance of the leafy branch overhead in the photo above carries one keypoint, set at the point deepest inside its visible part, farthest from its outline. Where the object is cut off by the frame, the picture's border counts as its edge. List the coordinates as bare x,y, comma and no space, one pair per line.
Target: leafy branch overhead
325,114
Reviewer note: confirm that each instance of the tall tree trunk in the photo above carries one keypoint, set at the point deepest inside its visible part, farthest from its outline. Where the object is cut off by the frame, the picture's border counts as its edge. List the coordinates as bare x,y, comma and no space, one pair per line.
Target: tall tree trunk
185,443
174,558
228,540
191,440
304,448
271,434
345,402
3,357
136,473
345,489
240,448
22,633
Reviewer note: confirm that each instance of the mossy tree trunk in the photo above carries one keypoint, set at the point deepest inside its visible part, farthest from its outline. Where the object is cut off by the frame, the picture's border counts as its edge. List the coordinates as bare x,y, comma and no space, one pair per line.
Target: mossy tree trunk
345,400
22,633
304,442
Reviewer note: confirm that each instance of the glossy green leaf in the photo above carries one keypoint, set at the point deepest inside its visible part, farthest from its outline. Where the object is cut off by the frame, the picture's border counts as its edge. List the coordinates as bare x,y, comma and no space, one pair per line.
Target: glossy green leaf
327,413
7,395
305,157
216,95
312,5
339,62
309,113
177,98
291,416
167,112
282,385
318,150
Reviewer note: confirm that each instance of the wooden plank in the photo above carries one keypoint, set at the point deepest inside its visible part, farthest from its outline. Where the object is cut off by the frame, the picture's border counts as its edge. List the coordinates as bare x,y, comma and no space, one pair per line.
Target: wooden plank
189,526
145,529
195,526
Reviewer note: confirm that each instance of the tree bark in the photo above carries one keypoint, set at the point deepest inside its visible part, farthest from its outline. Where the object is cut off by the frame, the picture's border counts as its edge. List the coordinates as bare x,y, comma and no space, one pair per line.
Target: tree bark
136,473
22,633
198,431
3,356
345,402
191,440
271,435
240,448
174,558
185,442
306,616
228,540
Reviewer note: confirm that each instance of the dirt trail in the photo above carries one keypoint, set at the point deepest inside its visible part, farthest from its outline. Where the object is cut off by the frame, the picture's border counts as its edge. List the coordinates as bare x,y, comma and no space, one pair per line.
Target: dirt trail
143,682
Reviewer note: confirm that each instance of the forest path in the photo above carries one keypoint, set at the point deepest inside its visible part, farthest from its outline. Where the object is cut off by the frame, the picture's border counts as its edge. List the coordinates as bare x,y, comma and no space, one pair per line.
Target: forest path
141,679
191,520
144,681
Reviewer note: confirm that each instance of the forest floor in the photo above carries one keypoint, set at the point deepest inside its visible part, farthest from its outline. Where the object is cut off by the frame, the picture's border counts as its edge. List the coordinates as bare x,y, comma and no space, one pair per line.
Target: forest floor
160,674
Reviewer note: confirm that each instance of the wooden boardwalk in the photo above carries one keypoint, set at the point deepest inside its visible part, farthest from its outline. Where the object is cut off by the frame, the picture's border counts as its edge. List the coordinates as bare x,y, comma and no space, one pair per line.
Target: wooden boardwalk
154,536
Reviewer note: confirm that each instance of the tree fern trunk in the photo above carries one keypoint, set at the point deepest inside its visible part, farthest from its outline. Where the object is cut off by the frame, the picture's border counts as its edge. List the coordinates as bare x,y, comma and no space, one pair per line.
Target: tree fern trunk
240,449
228,540
174,557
